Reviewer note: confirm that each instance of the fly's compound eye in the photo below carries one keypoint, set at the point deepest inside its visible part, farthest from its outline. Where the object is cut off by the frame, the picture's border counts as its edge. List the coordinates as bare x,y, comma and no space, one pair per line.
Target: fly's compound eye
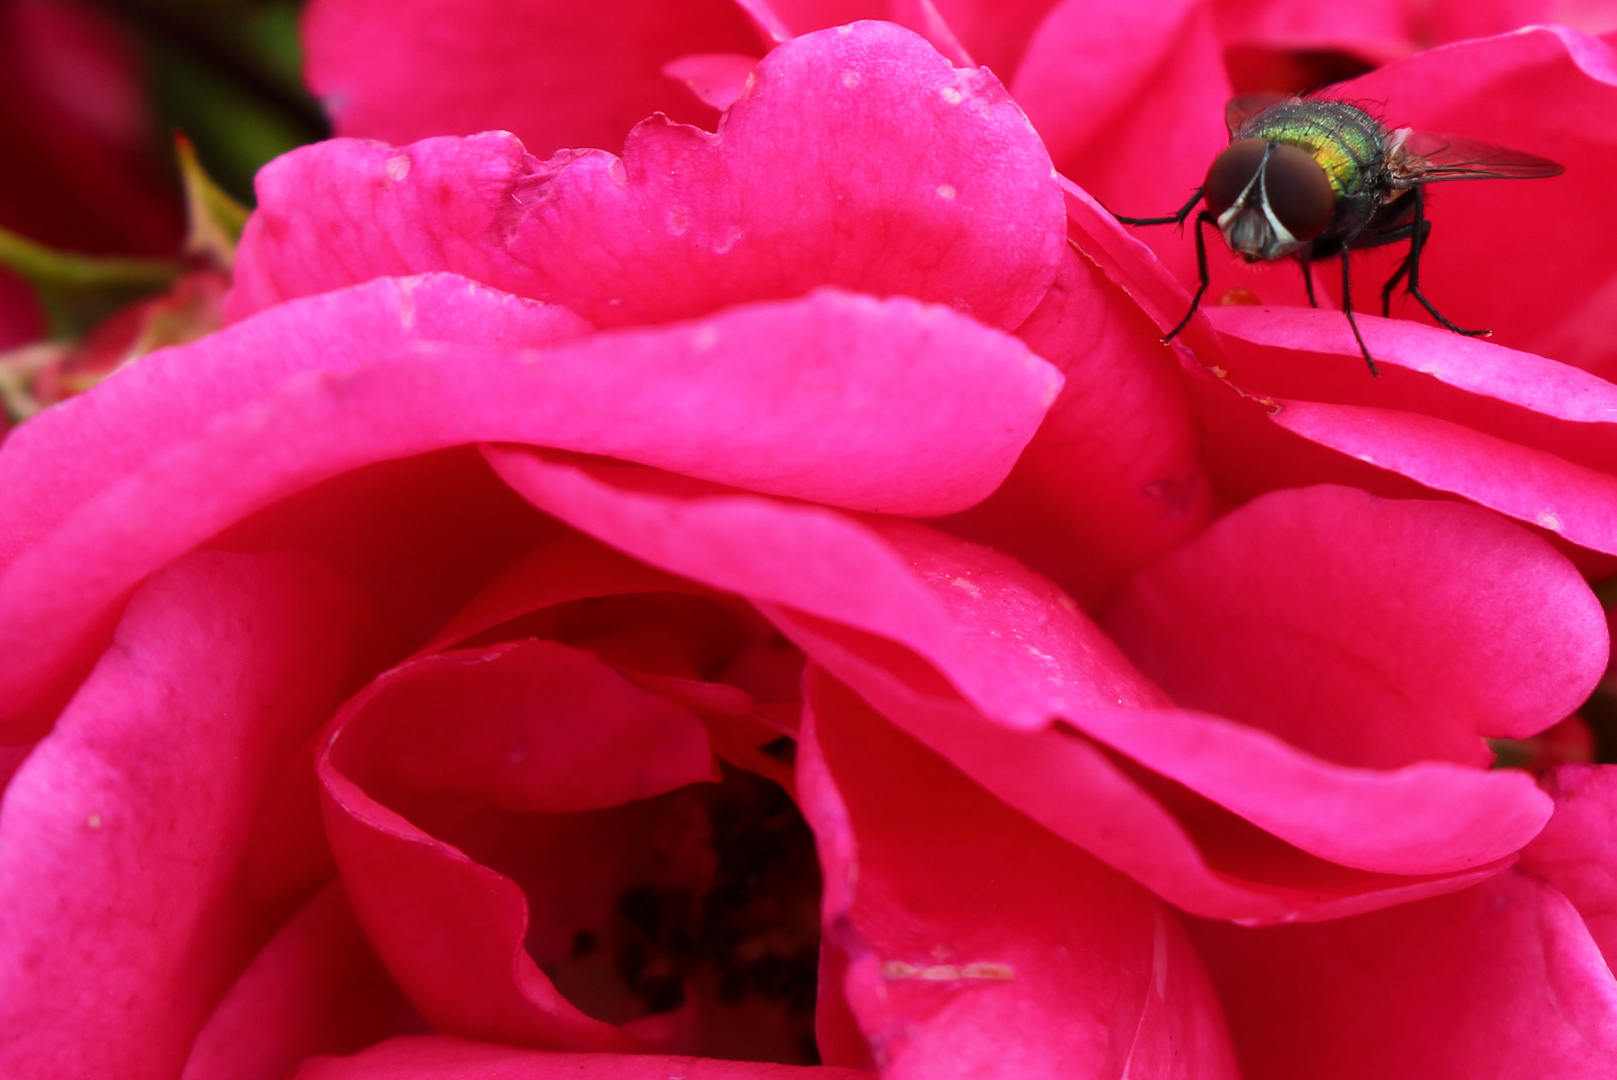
1300,194
1231,172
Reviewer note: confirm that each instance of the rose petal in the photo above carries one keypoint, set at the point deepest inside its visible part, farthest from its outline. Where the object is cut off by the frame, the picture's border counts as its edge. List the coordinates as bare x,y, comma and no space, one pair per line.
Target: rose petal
1130,100
1113,476
65,455
1378,30
1012,646
122,836
1500,980
514,742
962,920
902,175
1577,851
1544,435
719,79
825,398
316,988
439,1058
1572,501
557,74
1374,633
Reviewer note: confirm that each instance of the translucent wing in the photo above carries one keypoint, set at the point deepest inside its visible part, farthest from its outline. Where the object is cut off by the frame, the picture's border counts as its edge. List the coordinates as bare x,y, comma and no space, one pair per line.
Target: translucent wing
1425,158
1243,108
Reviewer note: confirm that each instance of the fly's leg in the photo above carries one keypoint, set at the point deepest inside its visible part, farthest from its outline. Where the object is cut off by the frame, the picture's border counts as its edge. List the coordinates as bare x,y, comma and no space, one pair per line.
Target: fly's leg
1401,233
1176,218
1420,227
1308,279
1347,309
1204,218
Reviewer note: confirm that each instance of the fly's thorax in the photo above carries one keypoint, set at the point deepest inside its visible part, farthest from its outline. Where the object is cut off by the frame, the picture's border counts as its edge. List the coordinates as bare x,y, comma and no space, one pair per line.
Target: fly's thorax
1347,142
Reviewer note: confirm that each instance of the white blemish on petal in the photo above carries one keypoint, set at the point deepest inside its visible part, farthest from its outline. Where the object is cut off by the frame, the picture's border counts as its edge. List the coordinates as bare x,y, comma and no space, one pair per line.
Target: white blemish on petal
678,219
946,191
705,338
988,969
94,821
962,583
616,171
983,970
850,79
732,237
397,168
844,29
747,87
952,95
1550,520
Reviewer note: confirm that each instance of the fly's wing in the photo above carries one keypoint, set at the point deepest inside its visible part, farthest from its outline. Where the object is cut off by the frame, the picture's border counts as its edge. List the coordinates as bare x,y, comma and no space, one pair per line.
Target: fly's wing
1423,158
1243,108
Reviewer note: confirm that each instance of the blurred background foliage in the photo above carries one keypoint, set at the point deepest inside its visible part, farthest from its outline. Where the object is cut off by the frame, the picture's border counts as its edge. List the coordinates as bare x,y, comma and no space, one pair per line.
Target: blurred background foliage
227,74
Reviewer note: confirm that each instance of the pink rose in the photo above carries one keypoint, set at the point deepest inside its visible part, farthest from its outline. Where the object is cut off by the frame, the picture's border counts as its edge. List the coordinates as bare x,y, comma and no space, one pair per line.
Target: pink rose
382,650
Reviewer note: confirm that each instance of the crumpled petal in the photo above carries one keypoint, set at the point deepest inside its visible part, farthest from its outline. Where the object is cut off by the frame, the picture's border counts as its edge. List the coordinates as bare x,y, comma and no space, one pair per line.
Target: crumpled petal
122,837
824,397
960,920
557,74
437,1057
499,725
1499,980
1012,646
1577,851
901,175
1371,632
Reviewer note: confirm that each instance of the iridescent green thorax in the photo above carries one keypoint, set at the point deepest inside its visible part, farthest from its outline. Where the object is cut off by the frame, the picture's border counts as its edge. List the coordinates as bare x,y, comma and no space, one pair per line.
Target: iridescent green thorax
1349,143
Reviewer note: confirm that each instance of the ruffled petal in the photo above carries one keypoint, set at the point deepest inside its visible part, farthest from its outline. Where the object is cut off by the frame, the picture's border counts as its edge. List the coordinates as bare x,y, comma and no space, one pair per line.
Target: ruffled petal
902,175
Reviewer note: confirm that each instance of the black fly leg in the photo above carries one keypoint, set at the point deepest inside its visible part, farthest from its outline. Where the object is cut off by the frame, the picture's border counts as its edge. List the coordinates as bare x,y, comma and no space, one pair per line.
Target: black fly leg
1347,309
1176,218
1308,279
1204,218
1419,229
1403,267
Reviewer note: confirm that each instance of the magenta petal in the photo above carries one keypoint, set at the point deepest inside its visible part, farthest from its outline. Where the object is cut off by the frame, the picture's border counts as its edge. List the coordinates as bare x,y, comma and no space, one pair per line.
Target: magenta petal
1113,476
1371,632
316,988
557,74
440,1058
1377,30
1518,433
902,175
1533,486
1577,851
122,836
964,922
719,79
1019,651
1500,980
1130,99
64,456
823,398
501,724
